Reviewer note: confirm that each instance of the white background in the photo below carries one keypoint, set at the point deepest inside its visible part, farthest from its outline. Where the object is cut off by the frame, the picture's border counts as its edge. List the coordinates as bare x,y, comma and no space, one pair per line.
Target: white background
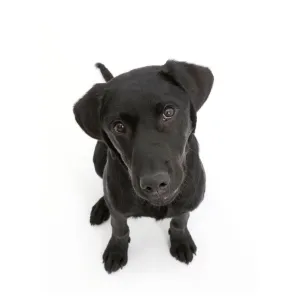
247,228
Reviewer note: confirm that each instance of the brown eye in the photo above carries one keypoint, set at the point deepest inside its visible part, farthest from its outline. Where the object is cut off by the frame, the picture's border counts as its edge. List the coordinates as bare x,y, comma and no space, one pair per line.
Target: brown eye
119,127
169,112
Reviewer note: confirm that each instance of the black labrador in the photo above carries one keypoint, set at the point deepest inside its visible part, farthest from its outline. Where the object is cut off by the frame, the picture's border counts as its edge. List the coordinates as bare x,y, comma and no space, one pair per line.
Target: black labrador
146,152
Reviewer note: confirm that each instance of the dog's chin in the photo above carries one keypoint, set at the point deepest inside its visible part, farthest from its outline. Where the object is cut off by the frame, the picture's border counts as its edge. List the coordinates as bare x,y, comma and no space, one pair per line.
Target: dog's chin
161,200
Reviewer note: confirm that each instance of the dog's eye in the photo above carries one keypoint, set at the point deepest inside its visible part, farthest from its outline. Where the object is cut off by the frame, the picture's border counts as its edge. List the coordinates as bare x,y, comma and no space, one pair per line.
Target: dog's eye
169,112
119,127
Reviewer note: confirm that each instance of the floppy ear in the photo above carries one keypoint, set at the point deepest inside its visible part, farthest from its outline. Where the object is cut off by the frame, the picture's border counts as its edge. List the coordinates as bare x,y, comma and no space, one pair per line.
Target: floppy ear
196,80
87,111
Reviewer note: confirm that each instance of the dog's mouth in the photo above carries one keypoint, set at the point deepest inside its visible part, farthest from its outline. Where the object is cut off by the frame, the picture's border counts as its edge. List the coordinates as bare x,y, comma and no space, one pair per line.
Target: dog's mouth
162,200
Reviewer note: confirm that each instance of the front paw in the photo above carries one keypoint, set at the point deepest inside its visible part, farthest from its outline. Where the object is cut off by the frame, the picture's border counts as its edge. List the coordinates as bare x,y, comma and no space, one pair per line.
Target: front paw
183,247
99,213
115,255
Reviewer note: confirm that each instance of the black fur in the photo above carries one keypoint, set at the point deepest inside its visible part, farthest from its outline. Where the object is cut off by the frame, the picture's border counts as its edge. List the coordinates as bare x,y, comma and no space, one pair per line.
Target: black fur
146,153
104,71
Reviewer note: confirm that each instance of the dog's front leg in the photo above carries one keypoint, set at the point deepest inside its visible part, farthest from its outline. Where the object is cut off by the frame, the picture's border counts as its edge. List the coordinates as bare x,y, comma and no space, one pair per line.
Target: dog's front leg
115,254
183,247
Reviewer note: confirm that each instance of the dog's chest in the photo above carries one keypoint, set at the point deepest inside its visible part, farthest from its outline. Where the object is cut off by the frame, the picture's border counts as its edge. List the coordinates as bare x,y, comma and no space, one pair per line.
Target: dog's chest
147,210
144,209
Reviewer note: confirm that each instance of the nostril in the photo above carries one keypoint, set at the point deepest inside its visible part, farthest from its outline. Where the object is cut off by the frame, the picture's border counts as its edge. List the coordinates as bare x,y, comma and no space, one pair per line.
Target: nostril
163,185
148,189
154,183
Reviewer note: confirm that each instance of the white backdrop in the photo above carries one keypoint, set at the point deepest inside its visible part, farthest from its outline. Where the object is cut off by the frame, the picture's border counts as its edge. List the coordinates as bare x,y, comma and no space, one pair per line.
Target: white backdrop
247,228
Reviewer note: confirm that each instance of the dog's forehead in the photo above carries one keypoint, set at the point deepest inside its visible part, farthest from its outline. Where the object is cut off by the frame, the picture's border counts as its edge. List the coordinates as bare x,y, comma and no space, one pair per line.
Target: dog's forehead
146,79
139,91
134,101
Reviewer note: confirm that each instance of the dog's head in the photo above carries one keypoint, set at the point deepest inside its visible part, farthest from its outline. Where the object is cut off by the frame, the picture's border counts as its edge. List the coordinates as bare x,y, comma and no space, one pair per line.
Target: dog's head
146,117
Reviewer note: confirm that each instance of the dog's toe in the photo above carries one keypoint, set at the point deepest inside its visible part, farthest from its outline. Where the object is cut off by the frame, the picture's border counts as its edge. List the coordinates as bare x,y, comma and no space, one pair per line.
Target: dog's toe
99,213
183,248
114,261
115,256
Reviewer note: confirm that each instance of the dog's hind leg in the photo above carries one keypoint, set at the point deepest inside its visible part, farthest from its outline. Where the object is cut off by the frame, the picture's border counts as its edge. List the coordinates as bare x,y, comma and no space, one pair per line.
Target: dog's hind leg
99,213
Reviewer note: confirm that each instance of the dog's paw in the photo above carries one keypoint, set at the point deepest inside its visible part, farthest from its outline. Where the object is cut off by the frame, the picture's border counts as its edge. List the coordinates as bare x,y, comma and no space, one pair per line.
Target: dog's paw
183,247
115,255
99,213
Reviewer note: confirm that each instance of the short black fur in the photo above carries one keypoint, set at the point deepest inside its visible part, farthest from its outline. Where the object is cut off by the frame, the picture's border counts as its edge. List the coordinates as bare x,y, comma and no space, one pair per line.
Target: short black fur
148,159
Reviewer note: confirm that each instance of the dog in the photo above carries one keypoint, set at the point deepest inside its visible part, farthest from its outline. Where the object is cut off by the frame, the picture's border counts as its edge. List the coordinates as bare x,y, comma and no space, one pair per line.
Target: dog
146,153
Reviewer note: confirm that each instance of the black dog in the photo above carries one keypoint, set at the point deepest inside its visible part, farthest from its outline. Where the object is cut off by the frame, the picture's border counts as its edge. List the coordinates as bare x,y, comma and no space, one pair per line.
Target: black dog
146,153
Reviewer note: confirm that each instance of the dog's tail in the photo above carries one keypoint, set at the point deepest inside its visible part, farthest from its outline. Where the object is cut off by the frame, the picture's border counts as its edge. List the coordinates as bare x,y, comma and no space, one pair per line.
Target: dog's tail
104,71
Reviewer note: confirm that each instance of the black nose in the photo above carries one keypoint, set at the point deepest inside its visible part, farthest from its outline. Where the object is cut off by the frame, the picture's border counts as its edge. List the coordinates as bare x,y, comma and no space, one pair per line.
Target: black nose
155,183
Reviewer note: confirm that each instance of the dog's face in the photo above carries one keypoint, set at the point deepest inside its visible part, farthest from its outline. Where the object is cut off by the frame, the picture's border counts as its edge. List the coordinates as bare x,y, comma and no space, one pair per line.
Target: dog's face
146,117
148,127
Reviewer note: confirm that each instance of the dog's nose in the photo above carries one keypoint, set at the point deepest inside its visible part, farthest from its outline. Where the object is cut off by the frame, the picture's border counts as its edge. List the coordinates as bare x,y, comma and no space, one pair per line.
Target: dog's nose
155,183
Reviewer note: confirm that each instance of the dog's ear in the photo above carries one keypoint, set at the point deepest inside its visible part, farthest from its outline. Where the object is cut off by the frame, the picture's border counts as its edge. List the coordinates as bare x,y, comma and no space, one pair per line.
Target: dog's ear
87,111
196,80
